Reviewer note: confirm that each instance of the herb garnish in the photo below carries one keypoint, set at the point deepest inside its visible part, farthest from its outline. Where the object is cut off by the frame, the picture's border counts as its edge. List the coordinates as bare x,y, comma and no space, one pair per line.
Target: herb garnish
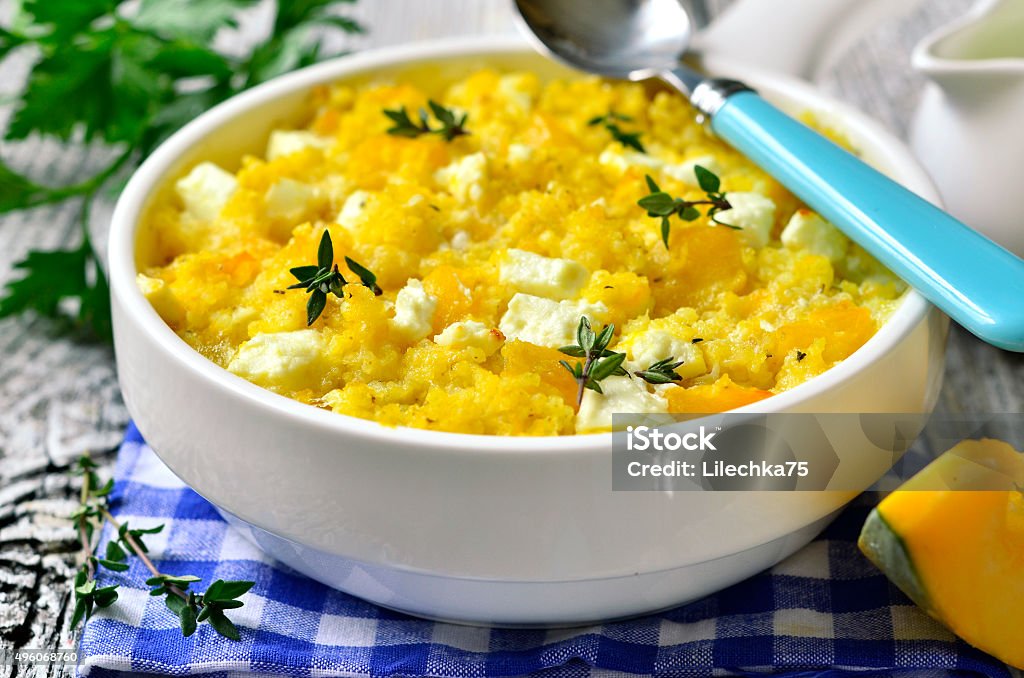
660,204
124,75
661,372
451,126
611,123
598,362
189,606
324,278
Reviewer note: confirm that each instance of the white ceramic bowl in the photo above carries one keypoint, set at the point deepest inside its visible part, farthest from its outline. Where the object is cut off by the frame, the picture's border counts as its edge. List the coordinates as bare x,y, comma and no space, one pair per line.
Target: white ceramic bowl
478,529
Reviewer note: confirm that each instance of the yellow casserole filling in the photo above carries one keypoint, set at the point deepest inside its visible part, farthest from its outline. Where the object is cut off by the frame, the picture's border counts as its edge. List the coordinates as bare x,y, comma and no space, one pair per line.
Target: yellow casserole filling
490,247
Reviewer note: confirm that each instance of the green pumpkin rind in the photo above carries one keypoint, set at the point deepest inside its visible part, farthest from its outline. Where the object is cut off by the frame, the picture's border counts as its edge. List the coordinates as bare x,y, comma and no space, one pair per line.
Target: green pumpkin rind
887,550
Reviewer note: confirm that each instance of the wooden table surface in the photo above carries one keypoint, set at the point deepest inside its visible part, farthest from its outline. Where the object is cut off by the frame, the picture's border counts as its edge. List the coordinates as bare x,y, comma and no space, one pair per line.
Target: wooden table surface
59,398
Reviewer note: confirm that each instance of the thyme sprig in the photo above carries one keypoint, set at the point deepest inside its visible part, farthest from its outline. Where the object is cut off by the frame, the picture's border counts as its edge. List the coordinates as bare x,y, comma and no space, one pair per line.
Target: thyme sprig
451,125
598,362
324,278
661,372
611,121
658,203
189,606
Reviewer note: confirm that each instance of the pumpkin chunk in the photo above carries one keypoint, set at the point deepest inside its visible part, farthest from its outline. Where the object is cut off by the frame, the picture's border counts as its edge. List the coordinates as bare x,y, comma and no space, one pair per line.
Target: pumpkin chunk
721,396
522,357
952,538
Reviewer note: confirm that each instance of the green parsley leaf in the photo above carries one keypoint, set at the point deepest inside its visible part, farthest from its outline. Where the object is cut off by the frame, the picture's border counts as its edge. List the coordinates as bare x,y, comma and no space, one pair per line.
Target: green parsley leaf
50,278
128,74
80,73
293,43
63,18
8,42
18,192
194,20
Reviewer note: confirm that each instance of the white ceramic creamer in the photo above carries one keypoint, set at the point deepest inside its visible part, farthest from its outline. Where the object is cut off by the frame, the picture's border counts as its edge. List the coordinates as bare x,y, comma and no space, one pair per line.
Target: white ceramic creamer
969,127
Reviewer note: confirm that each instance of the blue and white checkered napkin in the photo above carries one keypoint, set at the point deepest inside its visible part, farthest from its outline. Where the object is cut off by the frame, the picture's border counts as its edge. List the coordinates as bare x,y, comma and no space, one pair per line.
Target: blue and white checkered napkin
822,612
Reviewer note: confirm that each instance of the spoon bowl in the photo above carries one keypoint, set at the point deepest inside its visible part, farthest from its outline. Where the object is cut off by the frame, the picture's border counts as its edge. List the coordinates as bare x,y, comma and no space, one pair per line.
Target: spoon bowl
624,39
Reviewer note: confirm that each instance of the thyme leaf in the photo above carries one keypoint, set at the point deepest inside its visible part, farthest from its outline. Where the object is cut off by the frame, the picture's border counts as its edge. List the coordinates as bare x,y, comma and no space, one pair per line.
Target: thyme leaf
325,278
661,205
598,362
611,121
661,372
188,606
451,125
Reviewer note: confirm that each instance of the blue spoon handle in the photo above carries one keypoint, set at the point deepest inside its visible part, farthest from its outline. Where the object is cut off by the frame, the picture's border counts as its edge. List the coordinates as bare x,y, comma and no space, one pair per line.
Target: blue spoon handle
975,281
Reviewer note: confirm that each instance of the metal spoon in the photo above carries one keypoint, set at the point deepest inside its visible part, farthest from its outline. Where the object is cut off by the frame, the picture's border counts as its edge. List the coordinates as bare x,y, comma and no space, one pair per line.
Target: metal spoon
975,281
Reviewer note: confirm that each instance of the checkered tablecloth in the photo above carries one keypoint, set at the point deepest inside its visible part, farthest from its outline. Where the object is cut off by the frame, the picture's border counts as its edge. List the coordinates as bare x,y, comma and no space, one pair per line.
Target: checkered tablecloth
823,612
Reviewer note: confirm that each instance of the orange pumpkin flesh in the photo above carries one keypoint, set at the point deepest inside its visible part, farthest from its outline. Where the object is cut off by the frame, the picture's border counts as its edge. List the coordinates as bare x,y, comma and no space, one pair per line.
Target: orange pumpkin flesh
952,538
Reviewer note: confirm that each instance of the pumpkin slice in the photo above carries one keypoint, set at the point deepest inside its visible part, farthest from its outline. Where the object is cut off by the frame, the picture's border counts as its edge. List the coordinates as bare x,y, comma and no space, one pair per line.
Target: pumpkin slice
952,539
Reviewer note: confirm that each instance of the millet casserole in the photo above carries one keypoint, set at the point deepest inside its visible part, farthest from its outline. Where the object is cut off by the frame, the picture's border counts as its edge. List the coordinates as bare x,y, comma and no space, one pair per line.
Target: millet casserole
489,242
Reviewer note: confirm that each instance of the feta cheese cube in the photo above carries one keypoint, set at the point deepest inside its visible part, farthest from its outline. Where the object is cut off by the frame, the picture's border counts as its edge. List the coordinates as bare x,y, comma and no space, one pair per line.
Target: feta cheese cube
621,395
205,190
280,359
516,90
464,177
161,298
470,333
288,198
807,230
618,159
684,171
752,212
653,345
519,153
284,142
232,320
547,322
543,276
414,310
460,241
353,213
